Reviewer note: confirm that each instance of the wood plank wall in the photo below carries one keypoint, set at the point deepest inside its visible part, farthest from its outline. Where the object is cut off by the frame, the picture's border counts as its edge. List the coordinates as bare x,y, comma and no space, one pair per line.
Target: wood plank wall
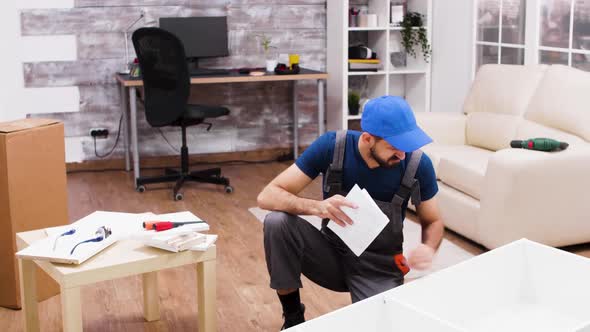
261,112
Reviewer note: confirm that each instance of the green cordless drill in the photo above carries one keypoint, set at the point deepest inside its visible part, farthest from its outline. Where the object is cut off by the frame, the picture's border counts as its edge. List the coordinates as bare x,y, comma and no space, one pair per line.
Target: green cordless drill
540,144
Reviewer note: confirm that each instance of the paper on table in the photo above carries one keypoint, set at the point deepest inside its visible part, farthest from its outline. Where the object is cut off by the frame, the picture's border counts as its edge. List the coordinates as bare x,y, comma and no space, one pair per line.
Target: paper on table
175,242
121,224
159,240
368,221
211,238
152,238
189,216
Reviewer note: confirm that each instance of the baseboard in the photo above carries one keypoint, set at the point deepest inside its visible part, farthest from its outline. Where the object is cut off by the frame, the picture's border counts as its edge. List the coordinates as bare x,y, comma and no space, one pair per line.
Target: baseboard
279,154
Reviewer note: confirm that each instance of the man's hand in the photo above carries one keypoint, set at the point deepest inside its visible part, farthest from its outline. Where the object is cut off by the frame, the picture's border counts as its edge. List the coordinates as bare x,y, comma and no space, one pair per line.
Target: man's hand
432,234
330,208
421,257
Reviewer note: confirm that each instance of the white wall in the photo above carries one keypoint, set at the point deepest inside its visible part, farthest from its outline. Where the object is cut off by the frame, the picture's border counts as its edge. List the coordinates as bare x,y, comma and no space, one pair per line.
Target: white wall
10,80
452,53
16,101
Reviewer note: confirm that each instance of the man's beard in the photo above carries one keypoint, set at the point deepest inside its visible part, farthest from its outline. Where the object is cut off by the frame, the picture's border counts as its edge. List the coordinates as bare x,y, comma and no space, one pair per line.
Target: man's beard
385,163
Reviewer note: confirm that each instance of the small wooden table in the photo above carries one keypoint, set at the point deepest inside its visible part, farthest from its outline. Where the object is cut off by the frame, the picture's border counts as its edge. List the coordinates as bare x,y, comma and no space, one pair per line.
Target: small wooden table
122,259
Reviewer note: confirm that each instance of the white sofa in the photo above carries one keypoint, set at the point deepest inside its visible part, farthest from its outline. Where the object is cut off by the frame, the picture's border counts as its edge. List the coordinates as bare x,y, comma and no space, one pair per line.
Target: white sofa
493,194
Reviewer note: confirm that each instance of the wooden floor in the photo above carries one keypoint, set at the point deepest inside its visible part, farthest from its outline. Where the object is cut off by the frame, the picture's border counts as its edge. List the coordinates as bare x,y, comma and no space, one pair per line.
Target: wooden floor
244,303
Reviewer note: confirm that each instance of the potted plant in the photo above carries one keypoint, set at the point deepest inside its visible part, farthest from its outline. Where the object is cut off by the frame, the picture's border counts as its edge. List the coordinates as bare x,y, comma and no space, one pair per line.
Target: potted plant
266,43
353,103
413,34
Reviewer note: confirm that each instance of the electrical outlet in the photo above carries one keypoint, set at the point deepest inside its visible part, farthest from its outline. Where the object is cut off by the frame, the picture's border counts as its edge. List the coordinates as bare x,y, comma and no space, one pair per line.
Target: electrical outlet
99,133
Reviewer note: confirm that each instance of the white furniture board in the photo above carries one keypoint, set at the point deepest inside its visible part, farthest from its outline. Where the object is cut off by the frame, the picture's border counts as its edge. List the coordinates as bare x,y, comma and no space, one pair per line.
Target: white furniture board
584,327
121,224
369,315
523,286
523,317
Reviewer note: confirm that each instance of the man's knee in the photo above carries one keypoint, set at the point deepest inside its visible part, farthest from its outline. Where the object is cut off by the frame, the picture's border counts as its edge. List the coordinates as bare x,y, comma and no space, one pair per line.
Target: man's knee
276,222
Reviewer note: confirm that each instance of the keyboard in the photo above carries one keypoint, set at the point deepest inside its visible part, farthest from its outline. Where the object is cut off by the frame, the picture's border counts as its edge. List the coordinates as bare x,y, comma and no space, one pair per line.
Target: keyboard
209,72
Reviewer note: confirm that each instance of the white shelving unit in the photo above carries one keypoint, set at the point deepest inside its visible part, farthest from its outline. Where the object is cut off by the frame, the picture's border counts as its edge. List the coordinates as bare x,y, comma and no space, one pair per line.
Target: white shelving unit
411,82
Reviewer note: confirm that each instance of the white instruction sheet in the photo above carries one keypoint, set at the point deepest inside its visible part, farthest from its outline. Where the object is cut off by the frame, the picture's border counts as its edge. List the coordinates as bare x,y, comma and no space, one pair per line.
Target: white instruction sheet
368,221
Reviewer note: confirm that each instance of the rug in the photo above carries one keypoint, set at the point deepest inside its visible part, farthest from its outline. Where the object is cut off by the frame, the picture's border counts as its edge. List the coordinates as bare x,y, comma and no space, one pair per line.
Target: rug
448,253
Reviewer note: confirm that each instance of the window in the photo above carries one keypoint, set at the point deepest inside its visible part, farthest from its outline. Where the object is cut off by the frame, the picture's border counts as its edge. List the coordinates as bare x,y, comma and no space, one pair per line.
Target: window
547,31
500,36
565,38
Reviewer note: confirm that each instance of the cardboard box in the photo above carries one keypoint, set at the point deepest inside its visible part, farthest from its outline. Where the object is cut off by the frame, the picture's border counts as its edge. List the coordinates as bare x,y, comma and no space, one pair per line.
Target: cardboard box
523,286
33,195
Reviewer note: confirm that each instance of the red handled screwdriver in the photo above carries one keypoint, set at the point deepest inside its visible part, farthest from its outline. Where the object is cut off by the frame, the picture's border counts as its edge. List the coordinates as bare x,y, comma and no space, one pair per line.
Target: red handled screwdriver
166,225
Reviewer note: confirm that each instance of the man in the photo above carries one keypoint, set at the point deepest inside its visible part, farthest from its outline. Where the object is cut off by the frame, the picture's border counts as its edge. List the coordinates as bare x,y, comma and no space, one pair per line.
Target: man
385,160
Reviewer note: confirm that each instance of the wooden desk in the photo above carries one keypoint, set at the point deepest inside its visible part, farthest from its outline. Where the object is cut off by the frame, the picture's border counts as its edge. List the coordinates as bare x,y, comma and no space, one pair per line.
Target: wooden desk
122,259
130,122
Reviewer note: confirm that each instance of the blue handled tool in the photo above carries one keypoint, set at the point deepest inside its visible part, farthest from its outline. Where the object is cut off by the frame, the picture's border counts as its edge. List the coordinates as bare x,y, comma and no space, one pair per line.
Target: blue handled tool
101,233
70,232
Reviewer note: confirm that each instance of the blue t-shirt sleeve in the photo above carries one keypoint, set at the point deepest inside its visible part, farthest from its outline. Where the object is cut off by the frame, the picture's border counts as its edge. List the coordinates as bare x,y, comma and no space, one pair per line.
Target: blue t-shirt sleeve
427,178
317,158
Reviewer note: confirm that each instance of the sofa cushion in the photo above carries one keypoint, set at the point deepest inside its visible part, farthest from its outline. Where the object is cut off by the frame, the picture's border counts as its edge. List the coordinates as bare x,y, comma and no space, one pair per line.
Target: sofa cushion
435,152
491,131
459,211
505,89
528,129
562,101
464,169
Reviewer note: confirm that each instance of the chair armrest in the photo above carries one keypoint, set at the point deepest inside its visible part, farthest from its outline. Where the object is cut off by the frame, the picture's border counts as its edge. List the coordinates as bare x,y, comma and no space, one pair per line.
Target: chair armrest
538,195
444,127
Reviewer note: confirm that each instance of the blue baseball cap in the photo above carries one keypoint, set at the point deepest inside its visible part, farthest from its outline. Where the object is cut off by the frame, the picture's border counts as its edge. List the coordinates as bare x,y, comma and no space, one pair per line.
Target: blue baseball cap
391,118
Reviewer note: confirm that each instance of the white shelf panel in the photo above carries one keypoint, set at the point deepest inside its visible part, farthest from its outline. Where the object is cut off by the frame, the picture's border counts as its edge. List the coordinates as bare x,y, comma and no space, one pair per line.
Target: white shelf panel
354,117
367,29
402,71
366,73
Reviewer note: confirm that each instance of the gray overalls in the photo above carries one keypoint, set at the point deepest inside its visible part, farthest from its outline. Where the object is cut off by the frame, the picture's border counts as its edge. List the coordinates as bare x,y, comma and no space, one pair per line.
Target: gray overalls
293,246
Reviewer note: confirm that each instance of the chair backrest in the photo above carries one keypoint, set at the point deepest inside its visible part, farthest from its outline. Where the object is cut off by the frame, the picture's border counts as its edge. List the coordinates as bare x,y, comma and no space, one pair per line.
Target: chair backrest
165,74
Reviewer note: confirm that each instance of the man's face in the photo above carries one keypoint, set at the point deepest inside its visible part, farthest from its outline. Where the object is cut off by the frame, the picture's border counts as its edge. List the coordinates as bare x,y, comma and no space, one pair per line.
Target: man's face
386,155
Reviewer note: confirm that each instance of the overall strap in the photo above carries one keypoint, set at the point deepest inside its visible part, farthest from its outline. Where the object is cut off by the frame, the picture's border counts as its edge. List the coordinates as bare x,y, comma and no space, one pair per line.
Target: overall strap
409,186
333,176
409,180
338,160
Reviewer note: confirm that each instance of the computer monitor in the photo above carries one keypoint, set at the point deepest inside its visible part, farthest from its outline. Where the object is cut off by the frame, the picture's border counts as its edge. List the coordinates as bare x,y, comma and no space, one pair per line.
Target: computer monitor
203,37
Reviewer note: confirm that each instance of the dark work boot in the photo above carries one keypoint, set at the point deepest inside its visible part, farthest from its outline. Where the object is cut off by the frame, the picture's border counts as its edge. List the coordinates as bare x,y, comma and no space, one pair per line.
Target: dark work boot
294,318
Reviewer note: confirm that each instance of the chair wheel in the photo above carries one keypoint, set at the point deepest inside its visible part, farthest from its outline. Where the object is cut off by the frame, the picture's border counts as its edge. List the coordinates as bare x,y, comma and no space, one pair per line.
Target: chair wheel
178,197
140,189
229,189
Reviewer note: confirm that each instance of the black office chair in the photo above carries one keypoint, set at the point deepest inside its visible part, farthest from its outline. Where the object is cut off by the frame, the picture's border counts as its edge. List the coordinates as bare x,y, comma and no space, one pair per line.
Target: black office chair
166,82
